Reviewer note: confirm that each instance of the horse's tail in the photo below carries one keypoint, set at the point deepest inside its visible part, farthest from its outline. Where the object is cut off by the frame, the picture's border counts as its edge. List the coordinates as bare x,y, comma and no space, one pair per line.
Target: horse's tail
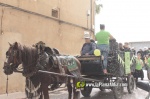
33,88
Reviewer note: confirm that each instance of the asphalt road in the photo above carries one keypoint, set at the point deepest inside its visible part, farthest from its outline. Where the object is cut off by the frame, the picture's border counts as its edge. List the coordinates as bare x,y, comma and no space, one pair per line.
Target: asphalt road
96,94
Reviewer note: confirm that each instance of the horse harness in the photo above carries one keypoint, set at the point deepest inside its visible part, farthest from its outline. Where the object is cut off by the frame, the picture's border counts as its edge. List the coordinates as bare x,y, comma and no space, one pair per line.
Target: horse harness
45,58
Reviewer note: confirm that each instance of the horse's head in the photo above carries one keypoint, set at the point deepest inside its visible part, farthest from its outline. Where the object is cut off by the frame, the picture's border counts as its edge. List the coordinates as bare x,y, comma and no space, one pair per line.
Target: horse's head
13,58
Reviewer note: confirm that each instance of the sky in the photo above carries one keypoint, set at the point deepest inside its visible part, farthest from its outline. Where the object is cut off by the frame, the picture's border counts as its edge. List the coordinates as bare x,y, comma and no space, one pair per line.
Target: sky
126,20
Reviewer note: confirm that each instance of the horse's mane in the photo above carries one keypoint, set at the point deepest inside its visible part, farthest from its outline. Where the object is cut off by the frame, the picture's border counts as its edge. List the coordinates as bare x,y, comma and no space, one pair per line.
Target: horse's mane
29,57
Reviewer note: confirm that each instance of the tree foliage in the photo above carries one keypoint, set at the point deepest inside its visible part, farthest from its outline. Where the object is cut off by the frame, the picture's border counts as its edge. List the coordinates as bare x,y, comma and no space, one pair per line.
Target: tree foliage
98,8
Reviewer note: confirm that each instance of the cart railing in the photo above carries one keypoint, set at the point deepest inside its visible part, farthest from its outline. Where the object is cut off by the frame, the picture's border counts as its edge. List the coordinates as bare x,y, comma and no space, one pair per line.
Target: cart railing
89,57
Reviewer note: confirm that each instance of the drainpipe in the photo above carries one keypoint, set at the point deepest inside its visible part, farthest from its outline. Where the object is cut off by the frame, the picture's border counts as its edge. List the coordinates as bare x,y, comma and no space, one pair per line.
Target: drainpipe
91,15
94,18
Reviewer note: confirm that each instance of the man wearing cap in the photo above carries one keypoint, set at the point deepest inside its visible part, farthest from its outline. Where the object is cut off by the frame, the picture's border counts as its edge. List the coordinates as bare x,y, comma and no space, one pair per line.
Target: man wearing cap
88,47
102,38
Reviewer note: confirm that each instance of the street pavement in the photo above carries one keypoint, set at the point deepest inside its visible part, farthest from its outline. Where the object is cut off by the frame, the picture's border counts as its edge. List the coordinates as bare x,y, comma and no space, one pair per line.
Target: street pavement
96,94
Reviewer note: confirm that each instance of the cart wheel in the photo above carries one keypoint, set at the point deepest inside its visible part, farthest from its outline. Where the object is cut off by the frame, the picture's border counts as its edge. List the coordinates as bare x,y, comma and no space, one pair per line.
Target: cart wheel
86,91
148,76
148,73
118,90
131,84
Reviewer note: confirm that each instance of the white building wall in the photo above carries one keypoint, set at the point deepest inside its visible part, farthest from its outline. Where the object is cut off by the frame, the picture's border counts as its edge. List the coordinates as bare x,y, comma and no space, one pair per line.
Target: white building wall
139,45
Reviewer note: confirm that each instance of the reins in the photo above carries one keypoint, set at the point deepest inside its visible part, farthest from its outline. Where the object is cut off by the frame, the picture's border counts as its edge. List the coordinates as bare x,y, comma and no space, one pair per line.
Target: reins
19,69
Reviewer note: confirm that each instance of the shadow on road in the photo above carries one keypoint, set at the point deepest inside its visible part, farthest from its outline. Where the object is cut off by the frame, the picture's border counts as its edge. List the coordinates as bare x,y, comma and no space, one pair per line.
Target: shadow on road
100,94
137,94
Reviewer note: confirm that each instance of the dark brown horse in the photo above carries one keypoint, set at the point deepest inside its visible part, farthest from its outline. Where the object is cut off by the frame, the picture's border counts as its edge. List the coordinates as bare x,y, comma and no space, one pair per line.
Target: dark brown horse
36,83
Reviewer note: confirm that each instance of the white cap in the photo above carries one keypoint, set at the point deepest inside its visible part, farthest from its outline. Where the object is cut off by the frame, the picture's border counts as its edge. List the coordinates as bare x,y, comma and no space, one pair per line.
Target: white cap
86,34
132,48
145,47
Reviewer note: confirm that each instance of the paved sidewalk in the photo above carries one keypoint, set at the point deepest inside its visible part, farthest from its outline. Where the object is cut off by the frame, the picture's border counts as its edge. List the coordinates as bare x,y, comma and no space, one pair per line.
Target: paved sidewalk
16,95
21,95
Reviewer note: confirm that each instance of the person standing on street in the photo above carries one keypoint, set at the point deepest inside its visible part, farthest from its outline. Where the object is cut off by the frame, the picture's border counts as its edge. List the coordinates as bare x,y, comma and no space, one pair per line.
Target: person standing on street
142,54
145,52
103,38
133,50
138,69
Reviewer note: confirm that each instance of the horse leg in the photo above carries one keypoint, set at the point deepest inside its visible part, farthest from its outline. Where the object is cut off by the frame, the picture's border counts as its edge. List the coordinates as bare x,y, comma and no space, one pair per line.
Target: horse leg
40,92
45,91
76,93
69,88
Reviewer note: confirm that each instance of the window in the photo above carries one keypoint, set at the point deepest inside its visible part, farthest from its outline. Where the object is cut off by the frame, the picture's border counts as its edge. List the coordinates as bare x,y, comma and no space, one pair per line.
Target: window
55,13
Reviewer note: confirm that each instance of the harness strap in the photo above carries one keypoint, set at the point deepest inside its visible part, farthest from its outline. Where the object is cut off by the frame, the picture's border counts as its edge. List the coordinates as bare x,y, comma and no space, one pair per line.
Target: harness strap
60,65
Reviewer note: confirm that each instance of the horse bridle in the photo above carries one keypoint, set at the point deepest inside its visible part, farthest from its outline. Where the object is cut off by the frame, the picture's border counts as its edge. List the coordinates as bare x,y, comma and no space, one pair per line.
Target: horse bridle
15,61
13,64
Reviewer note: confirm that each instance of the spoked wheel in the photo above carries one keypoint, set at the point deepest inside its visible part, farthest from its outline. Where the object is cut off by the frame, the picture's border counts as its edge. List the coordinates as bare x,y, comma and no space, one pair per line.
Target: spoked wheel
148,73
86,91
131,84
118,90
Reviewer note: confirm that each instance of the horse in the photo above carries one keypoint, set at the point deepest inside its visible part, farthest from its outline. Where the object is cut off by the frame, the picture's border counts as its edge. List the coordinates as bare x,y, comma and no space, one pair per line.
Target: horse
37,83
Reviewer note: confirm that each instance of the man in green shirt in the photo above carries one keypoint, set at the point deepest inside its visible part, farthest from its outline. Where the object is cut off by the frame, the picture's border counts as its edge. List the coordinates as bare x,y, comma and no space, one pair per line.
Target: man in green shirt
138,69
103,38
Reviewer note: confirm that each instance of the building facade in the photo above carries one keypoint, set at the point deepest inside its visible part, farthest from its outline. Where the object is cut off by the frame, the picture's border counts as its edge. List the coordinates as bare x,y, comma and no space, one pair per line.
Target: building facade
58,23
140,45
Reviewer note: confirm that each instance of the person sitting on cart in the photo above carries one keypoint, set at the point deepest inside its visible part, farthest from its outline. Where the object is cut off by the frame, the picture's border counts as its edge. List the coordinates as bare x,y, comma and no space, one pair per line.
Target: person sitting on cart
138,69
88,47
103,38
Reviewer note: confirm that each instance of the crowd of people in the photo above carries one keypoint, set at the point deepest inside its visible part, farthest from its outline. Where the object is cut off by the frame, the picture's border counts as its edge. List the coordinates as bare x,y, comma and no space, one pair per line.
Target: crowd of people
144,53
126,48
142,59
